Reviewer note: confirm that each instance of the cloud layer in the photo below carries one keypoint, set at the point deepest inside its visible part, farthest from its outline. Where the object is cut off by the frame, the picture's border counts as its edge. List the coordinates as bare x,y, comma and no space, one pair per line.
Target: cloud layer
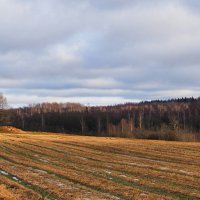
99,52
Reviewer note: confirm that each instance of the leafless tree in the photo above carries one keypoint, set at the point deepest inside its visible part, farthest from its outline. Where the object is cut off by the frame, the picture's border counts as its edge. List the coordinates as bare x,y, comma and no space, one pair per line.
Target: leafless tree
3,110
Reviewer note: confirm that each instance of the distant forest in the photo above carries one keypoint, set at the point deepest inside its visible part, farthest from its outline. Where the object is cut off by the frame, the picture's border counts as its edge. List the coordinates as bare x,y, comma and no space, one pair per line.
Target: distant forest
176,119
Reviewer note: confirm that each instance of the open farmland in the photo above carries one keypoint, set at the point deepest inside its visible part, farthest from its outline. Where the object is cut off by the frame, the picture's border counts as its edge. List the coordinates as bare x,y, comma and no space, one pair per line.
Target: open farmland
55,166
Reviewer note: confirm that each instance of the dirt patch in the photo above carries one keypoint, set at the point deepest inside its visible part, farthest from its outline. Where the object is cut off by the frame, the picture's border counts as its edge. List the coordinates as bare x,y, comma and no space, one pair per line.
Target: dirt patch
10,129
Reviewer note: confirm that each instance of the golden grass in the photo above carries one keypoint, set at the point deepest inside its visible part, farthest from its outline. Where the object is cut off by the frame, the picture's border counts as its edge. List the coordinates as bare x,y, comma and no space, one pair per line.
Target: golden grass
58,166
6,194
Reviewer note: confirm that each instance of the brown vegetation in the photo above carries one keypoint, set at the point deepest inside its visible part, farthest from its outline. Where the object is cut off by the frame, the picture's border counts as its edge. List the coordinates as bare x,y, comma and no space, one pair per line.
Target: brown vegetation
57,166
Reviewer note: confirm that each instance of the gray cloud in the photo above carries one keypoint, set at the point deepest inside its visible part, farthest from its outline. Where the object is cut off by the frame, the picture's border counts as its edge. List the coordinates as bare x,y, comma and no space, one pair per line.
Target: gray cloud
98,51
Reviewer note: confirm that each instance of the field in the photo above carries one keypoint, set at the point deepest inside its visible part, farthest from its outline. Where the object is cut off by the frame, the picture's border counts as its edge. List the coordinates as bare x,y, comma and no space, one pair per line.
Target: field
54,166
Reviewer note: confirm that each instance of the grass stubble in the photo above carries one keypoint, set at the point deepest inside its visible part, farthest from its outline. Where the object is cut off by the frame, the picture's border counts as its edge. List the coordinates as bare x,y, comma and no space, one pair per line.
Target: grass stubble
57,166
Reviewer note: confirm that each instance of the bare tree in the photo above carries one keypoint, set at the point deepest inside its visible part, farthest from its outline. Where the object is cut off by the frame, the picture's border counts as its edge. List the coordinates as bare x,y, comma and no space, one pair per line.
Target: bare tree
3,110
82,122
43,121
141,113
99,125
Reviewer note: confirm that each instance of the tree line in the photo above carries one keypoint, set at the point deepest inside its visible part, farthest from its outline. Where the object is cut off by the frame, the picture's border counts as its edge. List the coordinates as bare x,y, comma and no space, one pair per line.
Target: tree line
153,119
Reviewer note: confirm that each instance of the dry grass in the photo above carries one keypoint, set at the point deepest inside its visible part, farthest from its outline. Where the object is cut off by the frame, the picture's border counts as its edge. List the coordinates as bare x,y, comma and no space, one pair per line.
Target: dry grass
56,166
10,129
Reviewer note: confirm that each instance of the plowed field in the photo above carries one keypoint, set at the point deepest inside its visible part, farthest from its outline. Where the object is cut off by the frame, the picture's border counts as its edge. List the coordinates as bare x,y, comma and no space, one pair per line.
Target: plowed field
55,166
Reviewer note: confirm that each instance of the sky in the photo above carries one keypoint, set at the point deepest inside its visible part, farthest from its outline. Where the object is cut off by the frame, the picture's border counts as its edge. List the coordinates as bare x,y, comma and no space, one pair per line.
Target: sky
99,52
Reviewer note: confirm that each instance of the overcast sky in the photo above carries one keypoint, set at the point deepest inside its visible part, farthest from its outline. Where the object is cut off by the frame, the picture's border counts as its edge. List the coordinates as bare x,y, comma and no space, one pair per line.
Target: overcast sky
99,51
